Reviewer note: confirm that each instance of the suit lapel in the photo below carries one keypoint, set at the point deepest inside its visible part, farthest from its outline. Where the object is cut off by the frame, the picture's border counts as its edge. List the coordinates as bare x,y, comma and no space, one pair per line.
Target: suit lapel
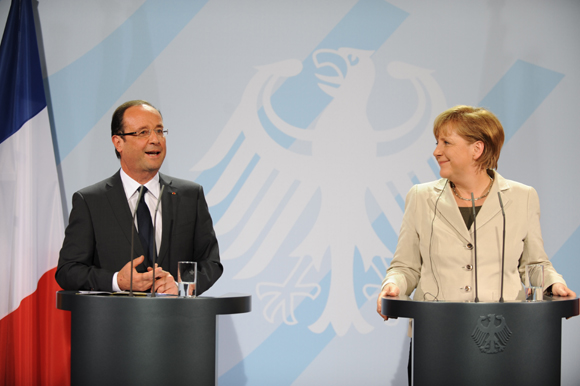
491,207
168,213
447,208
120,207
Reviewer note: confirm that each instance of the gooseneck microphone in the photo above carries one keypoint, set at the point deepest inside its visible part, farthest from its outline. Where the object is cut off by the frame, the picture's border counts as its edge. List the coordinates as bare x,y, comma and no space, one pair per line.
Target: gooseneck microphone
154,238
133,239
435,273
502,247
475,246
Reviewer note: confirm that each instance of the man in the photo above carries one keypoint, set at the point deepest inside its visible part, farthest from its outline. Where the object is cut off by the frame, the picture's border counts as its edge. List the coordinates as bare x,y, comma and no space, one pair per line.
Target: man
96,250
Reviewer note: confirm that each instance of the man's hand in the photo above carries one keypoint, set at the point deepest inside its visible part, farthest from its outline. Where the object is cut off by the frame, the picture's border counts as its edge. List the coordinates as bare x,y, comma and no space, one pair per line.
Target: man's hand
141,281
560,289
389,290
164,282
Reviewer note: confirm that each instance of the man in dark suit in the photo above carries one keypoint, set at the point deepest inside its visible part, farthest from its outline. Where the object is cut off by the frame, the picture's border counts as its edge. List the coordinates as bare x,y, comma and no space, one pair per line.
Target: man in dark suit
97,245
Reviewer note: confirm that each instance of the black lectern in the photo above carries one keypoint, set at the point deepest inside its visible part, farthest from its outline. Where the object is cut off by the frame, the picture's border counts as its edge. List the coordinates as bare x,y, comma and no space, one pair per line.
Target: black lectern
119,340
459,343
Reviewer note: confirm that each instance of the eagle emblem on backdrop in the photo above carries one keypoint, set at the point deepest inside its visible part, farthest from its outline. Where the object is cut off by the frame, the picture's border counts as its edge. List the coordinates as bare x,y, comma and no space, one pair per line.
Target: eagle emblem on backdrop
339,172
491,334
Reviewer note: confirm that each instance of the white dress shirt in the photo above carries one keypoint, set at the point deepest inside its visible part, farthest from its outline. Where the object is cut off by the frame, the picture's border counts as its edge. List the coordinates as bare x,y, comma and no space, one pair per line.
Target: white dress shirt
131,188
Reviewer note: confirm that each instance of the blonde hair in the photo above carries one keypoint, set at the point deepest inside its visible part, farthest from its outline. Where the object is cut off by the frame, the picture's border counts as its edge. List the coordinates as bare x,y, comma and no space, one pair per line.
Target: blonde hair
474,124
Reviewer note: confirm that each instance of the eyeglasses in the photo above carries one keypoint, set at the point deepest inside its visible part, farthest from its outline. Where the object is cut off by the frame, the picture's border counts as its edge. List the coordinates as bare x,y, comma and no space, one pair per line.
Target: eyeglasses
146,133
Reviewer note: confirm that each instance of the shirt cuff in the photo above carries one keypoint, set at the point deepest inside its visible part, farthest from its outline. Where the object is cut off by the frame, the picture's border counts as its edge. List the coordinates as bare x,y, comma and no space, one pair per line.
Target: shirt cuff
115,285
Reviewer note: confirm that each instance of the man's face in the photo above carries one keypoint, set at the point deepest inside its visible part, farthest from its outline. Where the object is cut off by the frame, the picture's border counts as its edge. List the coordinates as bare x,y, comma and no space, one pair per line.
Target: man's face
141,158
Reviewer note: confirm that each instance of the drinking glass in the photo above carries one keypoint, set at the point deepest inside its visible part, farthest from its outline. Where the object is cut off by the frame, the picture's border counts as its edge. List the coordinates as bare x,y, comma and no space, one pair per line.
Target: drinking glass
534,282
186,278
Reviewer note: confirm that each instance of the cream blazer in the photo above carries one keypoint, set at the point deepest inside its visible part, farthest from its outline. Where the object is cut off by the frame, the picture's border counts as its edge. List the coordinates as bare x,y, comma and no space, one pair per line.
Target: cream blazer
435,253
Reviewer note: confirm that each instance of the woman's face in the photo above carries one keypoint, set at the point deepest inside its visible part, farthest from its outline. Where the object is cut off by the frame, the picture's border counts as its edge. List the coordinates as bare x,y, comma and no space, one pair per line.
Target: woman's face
456,157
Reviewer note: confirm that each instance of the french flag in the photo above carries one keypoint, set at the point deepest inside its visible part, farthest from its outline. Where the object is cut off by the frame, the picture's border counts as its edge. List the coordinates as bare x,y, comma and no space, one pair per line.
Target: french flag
34,335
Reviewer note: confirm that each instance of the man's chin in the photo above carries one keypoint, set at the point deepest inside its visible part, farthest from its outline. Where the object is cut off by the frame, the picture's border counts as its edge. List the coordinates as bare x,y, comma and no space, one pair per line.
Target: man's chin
155,162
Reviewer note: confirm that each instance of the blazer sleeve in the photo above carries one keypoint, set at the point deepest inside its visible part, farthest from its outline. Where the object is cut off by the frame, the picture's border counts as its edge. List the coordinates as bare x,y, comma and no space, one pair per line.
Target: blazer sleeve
205,247
405,268
77,269
533,252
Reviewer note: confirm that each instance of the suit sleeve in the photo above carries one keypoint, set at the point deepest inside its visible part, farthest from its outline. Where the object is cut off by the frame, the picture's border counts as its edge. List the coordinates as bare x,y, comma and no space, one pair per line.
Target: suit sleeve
534,252
206,250
77,264
405,268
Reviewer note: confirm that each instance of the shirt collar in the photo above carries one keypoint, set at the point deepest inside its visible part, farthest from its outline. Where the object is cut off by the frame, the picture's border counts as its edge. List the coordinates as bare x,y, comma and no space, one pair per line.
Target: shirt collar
131,186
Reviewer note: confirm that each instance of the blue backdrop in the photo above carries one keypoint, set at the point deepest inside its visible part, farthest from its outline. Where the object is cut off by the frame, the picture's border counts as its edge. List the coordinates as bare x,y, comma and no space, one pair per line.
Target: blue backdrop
307,122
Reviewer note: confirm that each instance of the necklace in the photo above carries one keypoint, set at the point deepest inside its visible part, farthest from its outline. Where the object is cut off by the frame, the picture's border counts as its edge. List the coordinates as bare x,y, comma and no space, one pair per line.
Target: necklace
475,199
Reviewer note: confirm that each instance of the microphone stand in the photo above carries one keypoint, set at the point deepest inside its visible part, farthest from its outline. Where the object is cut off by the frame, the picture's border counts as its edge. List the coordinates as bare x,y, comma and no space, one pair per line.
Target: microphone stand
154,237
133,241
502,247
475,246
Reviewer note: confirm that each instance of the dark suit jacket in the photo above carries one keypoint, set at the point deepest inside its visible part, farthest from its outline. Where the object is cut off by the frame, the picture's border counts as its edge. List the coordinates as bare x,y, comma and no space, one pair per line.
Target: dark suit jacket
97,240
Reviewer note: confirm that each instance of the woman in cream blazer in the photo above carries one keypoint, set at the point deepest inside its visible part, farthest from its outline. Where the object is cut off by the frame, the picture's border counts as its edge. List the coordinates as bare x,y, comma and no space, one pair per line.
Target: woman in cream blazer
435,253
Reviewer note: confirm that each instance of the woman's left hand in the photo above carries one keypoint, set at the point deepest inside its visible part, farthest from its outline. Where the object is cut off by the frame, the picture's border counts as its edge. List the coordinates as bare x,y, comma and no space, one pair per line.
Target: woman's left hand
560,289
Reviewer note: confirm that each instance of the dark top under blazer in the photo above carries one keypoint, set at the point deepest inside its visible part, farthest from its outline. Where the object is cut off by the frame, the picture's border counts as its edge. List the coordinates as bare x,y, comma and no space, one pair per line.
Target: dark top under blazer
97,240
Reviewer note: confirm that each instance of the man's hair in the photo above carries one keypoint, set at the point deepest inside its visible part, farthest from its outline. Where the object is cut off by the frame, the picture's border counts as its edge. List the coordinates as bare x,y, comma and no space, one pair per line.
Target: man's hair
117,124
474,124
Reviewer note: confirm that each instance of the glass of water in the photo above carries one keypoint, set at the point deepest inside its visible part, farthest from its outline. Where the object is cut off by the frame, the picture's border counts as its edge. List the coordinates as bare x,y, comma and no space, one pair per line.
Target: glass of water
186,278
534,282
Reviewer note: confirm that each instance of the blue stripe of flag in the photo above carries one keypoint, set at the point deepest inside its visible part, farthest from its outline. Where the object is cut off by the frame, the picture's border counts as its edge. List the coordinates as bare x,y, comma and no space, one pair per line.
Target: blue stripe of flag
22,91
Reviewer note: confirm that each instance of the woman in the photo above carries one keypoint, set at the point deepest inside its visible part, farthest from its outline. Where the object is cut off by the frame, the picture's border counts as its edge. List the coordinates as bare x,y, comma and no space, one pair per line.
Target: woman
434,253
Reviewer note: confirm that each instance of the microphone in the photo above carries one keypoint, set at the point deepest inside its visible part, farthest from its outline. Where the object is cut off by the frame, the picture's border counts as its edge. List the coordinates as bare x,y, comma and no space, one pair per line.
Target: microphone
502,247
154,238
474,246
133,240
430,242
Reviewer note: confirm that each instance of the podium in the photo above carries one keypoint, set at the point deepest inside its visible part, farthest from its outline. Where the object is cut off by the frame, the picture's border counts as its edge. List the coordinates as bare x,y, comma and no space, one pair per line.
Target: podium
121,340
461,343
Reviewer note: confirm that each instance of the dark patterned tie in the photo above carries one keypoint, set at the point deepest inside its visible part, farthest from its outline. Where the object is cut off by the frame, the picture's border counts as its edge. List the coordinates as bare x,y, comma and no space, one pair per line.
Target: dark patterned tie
145,227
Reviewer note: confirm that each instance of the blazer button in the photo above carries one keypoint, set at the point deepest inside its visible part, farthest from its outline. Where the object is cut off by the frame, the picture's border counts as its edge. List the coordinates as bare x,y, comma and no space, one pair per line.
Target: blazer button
469,267
466,288
469,246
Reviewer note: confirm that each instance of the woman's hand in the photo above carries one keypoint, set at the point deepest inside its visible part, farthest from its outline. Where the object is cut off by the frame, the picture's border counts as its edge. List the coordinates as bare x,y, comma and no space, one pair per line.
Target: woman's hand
560,289
389,290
